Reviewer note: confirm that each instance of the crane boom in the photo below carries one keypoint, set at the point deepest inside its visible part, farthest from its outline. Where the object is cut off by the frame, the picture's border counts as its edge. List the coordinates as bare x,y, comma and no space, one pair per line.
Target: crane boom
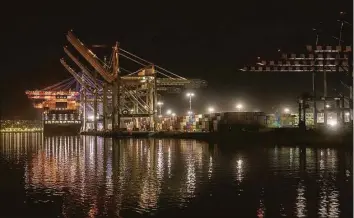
115,61
89,56
72,72
84,70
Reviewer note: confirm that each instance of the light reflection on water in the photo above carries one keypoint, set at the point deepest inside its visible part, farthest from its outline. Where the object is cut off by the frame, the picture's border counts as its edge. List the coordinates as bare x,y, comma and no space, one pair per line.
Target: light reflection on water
105,177
300,201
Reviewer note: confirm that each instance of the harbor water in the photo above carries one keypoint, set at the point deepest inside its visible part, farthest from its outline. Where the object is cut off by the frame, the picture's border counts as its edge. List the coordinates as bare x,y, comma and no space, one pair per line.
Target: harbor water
87,176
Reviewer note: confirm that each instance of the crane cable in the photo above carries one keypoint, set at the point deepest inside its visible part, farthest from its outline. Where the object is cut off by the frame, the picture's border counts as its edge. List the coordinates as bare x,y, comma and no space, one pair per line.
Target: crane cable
142,65
128,71
151,63
56,84
104,64
167,71
64,86
68,85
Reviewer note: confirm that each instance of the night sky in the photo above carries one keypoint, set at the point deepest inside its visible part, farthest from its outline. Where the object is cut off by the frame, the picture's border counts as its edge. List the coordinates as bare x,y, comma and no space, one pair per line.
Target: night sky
210,41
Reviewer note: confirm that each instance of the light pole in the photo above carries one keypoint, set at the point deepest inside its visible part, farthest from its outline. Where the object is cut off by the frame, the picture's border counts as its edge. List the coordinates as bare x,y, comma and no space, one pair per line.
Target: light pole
239,107
160,103
173,120
169,113
190,95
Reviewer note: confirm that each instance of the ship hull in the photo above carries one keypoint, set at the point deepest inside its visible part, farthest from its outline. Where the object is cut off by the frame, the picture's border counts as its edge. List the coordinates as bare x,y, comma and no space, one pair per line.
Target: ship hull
62,129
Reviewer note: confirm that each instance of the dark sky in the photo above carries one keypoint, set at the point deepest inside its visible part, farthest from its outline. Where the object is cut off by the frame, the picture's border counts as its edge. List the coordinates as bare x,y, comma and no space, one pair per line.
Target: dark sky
203,40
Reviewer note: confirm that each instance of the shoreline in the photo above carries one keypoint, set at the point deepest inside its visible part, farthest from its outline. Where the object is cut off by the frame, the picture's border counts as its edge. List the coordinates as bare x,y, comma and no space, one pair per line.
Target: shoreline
277,136
235,138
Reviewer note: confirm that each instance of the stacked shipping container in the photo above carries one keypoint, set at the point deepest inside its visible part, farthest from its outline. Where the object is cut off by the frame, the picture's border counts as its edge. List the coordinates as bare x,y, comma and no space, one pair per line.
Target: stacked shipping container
211,122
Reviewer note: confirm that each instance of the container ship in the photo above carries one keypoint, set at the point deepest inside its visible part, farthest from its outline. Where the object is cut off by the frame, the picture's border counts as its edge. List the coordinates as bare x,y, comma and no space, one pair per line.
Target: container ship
59,110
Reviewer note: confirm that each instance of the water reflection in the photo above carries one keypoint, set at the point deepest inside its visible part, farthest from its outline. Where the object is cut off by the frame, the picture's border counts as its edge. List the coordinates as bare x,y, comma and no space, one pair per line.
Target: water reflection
239,170
210,167
104,177
261,208
304,162
301,201
329,195
97,171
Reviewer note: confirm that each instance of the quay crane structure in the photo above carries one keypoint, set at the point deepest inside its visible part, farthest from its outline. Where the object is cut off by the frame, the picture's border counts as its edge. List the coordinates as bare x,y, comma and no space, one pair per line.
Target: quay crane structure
319,59
111,96
104,94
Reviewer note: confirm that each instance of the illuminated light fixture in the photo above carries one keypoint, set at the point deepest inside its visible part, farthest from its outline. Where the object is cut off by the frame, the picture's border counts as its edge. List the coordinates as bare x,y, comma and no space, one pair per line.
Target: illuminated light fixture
190,112
286,110
239,107
347,113
328,106
211,109
92,117
190,94
168,112
173,114
332,122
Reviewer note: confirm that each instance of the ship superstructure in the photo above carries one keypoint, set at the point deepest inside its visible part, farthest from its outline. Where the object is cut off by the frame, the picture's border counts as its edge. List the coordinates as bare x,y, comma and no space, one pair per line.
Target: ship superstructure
60,110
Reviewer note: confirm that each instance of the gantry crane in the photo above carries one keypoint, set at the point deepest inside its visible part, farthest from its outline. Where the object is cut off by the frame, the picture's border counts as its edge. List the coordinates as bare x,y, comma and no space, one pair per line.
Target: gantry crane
319,59
131,95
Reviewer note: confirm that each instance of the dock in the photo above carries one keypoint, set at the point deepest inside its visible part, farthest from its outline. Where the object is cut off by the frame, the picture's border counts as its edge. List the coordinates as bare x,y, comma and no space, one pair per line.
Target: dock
279,136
